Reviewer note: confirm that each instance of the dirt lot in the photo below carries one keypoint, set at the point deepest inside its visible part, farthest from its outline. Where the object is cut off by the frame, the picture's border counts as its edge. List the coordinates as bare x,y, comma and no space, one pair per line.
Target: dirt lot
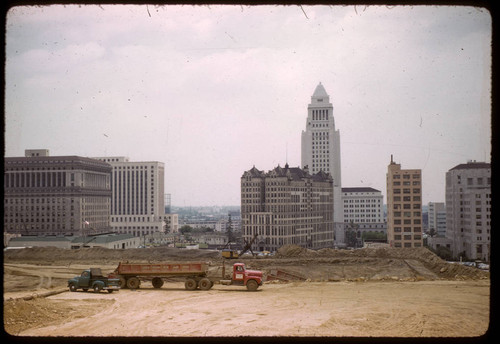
368,292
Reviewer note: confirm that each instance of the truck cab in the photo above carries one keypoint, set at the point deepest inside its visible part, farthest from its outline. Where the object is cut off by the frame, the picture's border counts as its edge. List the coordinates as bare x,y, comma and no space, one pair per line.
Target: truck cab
252,279
93,279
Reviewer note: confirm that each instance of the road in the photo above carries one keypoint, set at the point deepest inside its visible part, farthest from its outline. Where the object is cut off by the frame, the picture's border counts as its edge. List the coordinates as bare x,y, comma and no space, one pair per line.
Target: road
360,309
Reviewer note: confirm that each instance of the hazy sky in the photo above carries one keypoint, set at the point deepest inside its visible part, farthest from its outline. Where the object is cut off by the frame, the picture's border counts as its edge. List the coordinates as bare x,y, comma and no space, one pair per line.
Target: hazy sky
212,91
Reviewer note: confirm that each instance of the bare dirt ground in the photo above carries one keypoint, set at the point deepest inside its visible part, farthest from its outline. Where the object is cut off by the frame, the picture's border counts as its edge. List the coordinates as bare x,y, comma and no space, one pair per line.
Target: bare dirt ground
360,293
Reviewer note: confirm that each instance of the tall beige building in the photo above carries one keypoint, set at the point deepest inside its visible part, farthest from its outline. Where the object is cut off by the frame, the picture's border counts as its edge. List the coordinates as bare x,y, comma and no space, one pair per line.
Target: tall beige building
138,200
404,206
287,206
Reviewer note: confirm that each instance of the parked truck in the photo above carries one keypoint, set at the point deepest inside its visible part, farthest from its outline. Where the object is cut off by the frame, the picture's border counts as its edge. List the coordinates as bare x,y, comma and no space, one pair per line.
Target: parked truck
196,274
93,279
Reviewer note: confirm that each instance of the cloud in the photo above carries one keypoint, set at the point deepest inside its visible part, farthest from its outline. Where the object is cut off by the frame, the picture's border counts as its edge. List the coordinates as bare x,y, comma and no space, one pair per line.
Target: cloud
213,90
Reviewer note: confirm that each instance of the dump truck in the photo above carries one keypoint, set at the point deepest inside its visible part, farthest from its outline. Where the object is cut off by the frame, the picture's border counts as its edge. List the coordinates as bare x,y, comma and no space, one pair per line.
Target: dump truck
93,279
196,274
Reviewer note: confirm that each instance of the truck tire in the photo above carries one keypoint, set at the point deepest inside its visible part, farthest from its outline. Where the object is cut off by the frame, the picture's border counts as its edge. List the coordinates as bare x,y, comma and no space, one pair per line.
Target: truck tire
110,291
252,285
133,283
72,287
157,282
190,284
205,284
123,282
97,288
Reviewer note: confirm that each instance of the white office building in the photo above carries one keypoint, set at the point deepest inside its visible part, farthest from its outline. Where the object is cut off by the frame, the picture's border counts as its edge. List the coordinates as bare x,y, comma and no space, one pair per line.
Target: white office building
138,198
364,209
437,218
363,205
321,150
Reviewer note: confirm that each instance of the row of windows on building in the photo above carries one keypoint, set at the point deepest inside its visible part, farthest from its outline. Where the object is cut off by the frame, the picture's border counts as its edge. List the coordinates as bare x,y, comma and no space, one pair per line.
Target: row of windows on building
406,176
479,181
320,114
407,198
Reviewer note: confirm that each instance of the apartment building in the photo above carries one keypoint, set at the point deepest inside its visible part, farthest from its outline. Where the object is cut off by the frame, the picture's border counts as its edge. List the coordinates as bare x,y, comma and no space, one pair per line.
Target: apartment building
468,210
287,206
404,206
138,198
56,195
437,218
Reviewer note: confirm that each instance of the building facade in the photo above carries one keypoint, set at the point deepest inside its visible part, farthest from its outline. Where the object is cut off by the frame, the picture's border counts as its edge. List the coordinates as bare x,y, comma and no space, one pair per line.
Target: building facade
363,205
404,206
468,210
437,218
56,195
321,144
364,210
287,206
138,198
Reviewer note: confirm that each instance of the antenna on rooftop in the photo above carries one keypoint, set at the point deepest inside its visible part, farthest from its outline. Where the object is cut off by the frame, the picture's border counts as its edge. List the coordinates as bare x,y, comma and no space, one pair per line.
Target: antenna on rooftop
286,156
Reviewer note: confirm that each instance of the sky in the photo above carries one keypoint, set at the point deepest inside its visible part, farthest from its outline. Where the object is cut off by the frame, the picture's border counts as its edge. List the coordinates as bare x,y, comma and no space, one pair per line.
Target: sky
212,91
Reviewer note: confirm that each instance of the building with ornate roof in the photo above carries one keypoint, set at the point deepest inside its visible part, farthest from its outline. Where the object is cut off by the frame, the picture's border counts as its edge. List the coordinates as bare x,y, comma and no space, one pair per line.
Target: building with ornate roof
287,205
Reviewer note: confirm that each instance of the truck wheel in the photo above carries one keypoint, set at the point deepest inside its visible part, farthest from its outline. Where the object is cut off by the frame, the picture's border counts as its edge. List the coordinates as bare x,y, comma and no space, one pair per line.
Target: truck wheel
72,287
97,288
110,291
252,285
191,284
205,284
133,283
157,282
123,282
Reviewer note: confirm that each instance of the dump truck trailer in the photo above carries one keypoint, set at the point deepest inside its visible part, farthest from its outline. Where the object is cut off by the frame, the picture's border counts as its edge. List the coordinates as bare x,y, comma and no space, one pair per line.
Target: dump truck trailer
196,274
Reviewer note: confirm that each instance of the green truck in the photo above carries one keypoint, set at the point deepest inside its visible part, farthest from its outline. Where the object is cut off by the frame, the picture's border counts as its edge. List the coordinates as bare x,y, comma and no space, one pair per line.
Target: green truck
93,279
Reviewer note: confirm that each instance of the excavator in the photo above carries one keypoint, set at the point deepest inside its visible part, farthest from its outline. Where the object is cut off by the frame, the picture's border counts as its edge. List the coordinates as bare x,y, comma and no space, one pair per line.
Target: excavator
228,253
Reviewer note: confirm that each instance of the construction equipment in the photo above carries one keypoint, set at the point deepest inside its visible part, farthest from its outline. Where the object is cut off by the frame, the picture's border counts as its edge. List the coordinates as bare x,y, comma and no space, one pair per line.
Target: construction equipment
248,246
229,253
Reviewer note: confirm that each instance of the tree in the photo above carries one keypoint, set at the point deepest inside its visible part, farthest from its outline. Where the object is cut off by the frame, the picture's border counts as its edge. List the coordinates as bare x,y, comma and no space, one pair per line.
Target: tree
351,239
369,235
185,229
432,232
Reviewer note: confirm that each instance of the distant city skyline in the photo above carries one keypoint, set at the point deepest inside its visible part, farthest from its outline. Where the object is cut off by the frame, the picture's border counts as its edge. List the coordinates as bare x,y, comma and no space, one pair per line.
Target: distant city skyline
212,91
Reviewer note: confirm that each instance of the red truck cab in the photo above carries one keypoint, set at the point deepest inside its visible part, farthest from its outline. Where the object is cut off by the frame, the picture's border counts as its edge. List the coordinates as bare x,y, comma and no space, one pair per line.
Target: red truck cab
252,279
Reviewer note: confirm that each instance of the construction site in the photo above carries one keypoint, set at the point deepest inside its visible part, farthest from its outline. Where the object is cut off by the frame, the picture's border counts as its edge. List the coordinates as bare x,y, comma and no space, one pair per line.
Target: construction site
368,292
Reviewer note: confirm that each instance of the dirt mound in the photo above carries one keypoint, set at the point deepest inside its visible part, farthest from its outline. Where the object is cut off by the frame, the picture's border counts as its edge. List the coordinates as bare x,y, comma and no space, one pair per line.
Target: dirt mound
99,254
413,258
382,263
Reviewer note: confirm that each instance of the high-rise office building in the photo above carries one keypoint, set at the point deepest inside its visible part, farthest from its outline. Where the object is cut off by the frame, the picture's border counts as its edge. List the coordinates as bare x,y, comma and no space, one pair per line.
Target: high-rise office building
138,199
404,206
320,151
437,218
468,210
321,144
287,206
56,195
